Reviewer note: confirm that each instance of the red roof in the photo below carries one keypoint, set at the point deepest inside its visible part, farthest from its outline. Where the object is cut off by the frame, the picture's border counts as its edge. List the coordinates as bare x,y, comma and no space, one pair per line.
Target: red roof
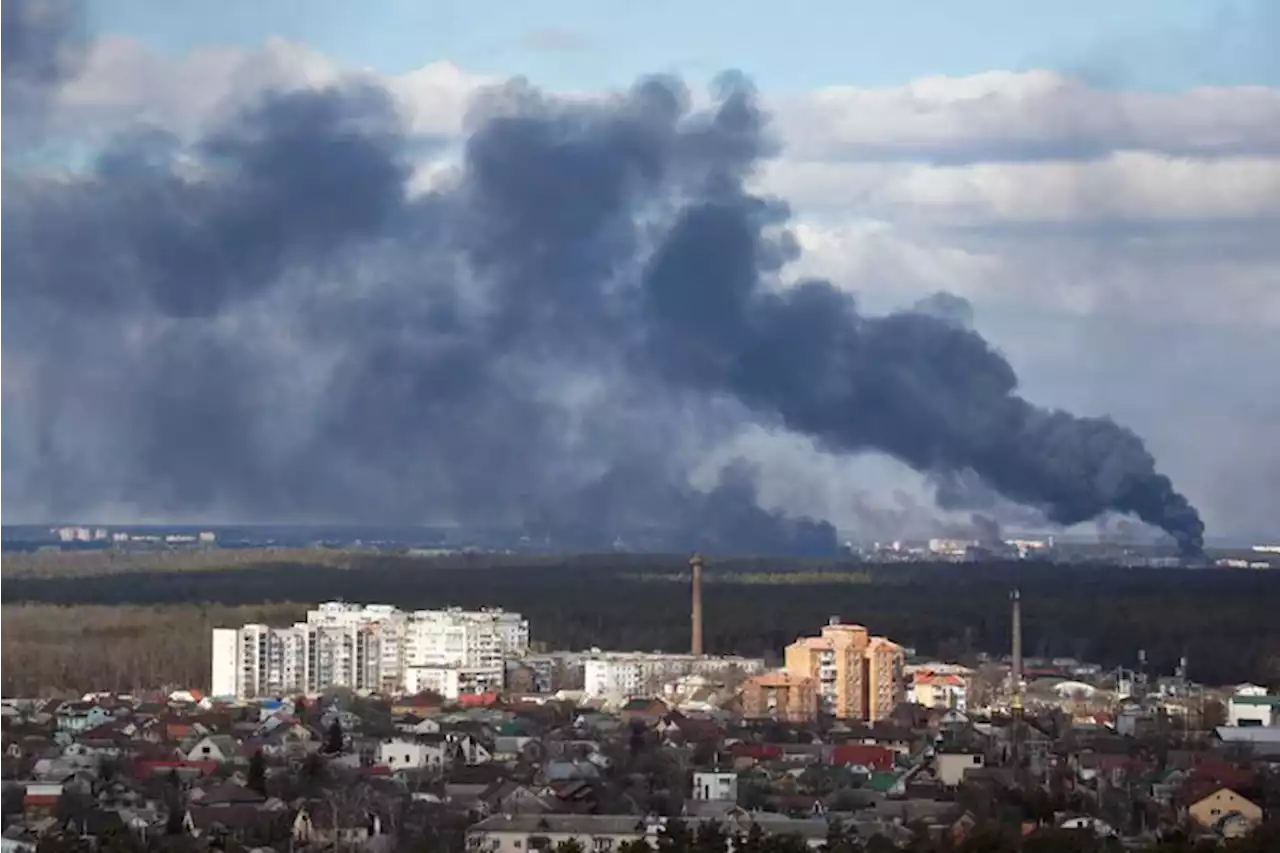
1222,774
144,768
478,700
865,755
758,751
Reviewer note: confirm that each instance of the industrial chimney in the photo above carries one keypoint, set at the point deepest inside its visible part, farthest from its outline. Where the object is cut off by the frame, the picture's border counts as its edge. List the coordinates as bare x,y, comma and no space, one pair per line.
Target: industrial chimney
1016,670
695,566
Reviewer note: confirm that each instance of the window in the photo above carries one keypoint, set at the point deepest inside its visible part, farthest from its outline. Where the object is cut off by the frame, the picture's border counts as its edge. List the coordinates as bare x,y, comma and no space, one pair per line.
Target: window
517,844
601,845
406,759
977,759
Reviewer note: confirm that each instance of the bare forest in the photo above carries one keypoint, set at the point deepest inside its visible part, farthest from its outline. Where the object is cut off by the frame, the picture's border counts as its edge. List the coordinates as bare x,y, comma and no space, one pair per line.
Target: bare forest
117,620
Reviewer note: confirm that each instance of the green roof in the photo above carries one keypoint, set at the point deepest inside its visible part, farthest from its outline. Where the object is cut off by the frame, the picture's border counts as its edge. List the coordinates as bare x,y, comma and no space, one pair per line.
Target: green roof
1273,701
882,781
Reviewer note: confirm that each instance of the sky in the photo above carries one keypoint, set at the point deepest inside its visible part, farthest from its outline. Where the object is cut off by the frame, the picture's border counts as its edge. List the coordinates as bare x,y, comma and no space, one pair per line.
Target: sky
1101,180
580,44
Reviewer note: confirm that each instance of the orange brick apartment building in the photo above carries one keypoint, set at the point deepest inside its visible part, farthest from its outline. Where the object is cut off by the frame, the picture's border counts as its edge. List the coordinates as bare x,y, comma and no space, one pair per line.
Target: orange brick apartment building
858,676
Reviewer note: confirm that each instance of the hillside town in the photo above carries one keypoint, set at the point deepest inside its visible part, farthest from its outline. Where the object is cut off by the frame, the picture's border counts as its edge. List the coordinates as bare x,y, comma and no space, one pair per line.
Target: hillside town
374,729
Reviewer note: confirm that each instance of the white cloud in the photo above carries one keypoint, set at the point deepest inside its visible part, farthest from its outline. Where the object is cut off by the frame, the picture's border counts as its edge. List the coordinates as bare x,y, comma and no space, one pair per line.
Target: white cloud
123,81
1002,115
1124,186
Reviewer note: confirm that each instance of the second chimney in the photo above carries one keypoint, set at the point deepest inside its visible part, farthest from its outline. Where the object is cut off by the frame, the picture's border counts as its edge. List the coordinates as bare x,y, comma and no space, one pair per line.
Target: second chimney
695,566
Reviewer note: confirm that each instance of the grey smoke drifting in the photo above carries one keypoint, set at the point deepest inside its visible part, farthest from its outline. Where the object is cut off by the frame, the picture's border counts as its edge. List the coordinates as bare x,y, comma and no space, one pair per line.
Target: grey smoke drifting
268,323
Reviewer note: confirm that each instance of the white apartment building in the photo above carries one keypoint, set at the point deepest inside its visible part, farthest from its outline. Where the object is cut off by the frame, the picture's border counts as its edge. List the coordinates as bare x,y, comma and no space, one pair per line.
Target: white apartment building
369,647
627,675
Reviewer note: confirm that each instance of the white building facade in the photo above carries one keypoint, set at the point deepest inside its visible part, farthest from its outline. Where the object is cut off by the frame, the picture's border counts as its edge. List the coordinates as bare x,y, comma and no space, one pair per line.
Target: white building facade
375,648
1251,705
626,675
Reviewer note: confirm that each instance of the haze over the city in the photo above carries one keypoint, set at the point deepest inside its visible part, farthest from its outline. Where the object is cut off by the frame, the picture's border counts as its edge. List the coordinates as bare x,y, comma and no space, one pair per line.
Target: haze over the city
474,263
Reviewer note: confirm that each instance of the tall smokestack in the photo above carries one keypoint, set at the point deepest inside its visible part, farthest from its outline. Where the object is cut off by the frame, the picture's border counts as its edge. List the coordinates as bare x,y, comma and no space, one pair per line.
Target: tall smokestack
695,565
1016,598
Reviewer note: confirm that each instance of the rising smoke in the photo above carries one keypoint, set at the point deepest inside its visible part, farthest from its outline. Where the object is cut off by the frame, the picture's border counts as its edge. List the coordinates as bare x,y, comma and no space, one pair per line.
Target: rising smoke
267,322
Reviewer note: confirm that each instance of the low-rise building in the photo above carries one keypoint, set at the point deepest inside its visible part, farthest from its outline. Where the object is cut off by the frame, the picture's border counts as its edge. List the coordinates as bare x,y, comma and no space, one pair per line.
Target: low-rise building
522,833
1226,812
1253,706
950,767
939,690
715,786
624,675
782,696
410,754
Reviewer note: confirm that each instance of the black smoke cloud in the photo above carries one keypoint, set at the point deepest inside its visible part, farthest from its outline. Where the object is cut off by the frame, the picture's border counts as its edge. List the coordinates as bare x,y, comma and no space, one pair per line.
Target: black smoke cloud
267,323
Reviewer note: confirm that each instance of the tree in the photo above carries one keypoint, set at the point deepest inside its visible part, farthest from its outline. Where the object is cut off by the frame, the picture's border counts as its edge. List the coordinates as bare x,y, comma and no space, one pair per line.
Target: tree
258,773
334,740
570,845
174,824
675,838
638,845
840,840
710,838
752,842
1214,714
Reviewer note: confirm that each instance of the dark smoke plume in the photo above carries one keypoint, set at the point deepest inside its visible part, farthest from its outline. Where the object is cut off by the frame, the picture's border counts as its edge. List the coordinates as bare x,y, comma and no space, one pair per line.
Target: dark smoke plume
267,322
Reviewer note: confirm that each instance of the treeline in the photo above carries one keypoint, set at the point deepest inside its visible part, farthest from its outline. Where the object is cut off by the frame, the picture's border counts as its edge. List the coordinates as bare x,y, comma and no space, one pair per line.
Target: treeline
50,650
111,561
1223,621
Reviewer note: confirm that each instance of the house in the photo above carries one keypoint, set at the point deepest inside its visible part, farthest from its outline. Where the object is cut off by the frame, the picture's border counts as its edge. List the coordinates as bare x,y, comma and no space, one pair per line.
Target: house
513,798
950,767
1252,706
412,725
469,750
419,705
862,755
939,690
607,833
80,716
248,824
289,739
324,824
406,754
646,712
220,748
1225,811
719,786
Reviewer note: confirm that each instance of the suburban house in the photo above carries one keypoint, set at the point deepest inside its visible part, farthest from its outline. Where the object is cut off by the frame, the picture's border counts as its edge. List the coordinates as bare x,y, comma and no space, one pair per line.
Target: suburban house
607,833
1226,812
950,767
1253,706
407,754
220,748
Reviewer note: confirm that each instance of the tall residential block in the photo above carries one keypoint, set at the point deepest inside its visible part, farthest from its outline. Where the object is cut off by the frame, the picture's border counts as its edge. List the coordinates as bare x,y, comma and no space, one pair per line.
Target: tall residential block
375,648
859,676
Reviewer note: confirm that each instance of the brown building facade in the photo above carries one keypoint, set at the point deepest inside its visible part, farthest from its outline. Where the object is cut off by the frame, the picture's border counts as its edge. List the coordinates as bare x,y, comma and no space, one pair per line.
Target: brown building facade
859,677
782,696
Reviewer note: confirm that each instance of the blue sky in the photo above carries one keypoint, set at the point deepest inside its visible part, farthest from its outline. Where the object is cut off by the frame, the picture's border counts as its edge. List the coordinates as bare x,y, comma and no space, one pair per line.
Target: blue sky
1150,44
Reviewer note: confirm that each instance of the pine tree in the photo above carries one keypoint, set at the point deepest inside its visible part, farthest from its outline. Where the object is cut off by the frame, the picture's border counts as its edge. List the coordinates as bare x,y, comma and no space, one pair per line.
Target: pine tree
334,741
258,773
